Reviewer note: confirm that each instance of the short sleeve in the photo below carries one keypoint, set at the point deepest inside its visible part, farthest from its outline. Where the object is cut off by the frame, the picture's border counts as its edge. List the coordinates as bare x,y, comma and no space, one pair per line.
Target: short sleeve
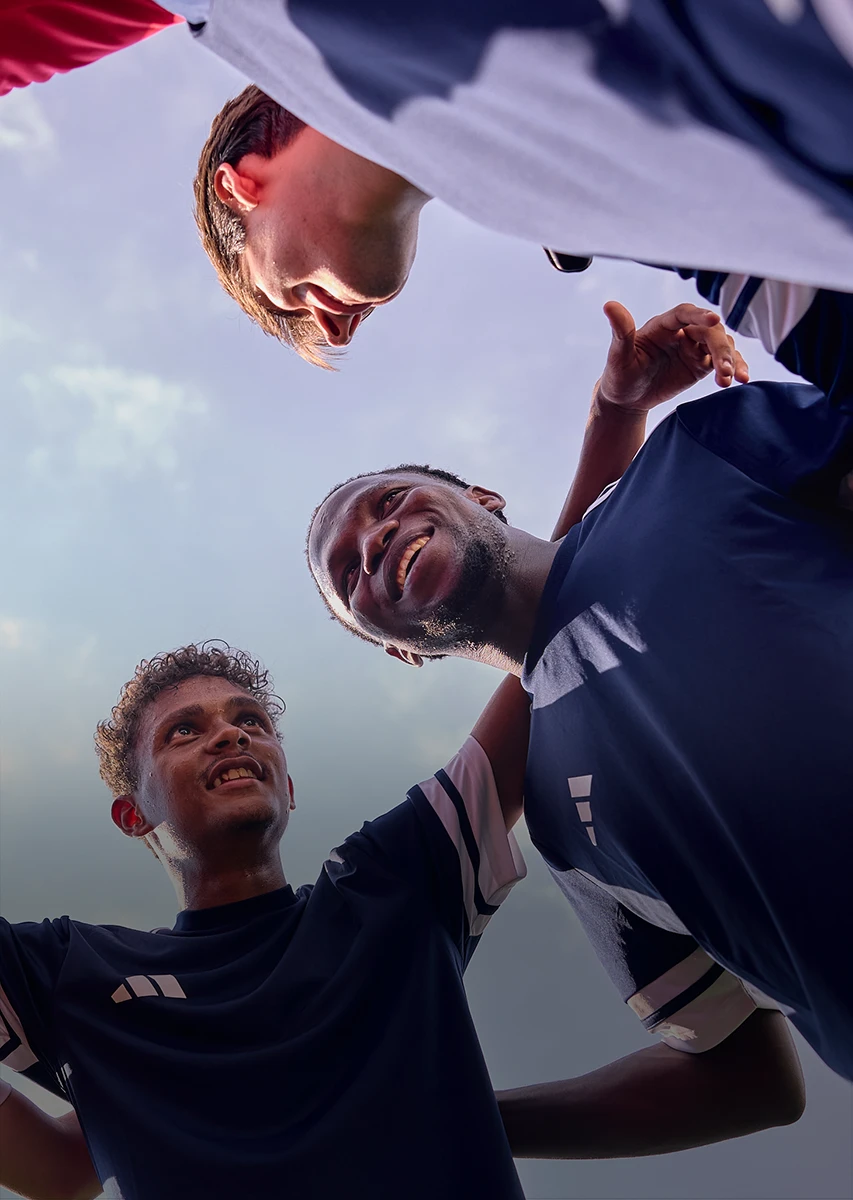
679,993
31,958
461,814
447,846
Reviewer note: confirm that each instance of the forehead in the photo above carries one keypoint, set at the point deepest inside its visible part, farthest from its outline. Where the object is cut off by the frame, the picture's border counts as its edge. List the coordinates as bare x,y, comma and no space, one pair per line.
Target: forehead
209,691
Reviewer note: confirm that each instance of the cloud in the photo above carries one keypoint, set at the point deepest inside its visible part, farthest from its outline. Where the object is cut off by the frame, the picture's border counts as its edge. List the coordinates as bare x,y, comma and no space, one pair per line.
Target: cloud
24,128
13,330
17,633
108,419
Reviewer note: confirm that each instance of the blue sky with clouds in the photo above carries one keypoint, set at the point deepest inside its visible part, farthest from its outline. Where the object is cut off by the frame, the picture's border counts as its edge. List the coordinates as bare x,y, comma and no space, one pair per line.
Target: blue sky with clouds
161,460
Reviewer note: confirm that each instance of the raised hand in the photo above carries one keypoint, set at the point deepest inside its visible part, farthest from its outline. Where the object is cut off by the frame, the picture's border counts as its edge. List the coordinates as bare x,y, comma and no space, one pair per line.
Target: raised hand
666,356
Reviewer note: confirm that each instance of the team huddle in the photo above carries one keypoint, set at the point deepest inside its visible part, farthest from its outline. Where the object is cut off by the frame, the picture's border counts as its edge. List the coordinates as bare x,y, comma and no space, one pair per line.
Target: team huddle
677,656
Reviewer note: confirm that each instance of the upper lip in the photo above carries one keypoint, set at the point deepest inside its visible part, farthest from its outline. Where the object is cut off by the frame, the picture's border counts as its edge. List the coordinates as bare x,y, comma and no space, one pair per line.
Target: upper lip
394,554
231,764
335,306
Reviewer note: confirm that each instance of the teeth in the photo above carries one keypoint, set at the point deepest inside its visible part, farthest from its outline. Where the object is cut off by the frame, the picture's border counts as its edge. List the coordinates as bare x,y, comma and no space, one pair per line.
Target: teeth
405,561
234,773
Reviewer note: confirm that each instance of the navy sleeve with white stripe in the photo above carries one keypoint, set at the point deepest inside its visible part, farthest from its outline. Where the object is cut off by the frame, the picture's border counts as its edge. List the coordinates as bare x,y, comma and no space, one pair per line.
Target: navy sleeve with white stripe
31,959
449,839
807,330
679,993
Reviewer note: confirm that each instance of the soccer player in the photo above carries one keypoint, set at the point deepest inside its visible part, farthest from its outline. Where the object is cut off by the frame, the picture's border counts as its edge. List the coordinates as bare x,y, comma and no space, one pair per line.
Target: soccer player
43,38
688,652
701,134
334,1015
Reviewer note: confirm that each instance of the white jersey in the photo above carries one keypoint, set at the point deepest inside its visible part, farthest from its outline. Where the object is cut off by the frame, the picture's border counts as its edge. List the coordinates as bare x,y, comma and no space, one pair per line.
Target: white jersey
567,125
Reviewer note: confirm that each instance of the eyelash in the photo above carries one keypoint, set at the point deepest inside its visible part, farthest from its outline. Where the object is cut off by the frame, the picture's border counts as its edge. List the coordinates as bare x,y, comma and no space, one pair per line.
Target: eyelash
383,508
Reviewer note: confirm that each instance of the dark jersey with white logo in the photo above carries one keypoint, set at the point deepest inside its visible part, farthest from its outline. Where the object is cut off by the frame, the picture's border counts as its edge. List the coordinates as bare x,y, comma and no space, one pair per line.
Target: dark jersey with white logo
690,768
296,1044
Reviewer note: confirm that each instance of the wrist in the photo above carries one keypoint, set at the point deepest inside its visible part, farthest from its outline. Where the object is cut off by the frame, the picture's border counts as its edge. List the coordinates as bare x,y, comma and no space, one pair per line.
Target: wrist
601,406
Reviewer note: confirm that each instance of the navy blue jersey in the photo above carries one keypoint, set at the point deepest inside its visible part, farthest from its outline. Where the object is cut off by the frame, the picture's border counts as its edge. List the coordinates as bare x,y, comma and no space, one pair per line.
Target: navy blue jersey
296,1043
690,766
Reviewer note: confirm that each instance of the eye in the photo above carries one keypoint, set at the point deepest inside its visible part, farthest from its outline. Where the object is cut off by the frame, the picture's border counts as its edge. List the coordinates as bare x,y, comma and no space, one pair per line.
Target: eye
182,730
385,502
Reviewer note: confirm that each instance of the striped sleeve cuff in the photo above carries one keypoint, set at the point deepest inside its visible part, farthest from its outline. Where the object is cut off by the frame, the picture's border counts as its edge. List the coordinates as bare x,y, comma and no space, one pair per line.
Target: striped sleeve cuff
465,799
695,1005
766,309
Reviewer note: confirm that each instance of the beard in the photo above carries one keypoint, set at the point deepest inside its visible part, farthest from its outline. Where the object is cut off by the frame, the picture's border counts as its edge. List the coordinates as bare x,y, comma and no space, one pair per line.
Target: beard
463,621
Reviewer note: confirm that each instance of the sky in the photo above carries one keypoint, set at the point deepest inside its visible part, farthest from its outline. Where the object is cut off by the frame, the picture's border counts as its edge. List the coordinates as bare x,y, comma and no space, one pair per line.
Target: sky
161,461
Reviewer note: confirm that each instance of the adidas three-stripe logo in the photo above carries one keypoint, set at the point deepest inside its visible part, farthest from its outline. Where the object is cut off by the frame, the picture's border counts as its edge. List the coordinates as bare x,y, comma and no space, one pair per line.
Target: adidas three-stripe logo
148,985
581,785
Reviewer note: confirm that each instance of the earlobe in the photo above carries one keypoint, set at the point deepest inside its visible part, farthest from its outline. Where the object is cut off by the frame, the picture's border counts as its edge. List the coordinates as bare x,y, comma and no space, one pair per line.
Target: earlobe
236,189
491,501
406,656
292,804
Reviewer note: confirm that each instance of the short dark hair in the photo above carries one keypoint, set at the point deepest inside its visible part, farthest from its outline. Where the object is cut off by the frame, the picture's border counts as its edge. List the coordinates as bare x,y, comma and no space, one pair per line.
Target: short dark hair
251,123
115,739
402,469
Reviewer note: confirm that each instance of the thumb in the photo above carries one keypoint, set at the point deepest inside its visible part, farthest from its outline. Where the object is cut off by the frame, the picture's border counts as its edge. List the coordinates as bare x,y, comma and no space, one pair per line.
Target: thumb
622,325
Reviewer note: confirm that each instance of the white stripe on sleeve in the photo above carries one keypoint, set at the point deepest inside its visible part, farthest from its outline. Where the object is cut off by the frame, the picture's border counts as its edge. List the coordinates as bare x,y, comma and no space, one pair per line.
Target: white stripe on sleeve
706,1018
774,310
11,1032
501,863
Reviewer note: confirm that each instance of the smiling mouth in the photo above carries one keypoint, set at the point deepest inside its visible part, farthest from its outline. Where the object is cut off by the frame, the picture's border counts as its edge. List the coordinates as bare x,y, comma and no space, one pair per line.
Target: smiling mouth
232,774
408,560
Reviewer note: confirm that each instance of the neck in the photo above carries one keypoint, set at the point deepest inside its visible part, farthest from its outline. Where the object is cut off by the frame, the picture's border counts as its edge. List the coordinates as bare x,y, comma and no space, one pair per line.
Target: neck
510,635
202,882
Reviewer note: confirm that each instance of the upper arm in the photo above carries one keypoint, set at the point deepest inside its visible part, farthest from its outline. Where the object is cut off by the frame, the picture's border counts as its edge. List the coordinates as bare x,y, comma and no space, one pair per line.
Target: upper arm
44,1157
678,992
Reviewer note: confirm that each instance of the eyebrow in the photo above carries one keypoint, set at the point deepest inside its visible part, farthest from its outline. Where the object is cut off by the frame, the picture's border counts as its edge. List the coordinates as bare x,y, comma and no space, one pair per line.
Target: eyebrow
192,712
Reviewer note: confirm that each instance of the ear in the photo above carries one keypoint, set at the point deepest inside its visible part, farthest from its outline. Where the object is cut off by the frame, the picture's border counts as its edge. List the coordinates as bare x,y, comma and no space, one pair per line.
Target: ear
292,804
237,188
128,818
406,656
491,501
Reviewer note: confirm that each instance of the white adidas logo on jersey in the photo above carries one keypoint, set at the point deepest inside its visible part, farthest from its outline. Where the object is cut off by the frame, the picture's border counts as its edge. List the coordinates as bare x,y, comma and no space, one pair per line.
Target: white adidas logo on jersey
581,785
148,985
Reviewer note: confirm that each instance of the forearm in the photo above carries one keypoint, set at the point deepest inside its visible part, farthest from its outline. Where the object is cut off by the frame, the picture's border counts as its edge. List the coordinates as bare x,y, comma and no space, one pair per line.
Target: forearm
611,439
660,1100
44,1157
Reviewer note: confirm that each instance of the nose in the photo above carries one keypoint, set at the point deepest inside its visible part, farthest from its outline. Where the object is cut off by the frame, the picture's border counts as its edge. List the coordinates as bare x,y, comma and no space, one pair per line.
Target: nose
338,330
228,737
374,544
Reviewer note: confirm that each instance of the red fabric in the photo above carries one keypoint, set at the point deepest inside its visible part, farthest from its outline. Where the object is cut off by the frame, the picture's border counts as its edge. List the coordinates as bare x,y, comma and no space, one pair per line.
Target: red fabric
40,38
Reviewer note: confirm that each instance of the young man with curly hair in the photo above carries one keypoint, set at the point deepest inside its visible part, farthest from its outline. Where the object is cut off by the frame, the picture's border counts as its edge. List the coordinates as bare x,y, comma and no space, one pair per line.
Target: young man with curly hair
690,133
278,1037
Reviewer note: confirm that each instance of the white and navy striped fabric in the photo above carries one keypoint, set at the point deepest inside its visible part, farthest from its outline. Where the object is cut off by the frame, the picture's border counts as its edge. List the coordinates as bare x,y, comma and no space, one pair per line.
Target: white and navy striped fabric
689,776
331,1012
594,126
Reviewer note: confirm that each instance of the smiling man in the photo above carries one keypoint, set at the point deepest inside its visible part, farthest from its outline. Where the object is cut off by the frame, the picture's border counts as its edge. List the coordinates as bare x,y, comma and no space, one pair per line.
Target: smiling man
715,135
688,651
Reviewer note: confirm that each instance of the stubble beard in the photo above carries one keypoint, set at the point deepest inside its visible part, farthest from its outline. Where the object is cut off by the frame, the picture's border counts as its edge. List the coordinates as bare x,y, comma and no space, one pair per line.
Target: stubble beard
462,623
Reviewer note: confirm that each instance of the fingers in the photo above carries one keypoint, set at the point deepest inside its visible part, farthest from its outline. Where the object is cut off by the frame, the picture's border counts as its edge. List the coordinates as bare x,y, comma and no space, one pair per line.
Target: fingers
689,314
726,361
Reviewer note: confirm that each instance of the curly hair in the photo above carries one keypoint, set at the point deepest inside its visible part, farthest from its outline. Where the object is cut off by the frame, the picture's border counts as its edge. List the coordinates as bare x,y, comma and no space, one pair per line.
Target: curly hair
402,469
251,123
115,739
